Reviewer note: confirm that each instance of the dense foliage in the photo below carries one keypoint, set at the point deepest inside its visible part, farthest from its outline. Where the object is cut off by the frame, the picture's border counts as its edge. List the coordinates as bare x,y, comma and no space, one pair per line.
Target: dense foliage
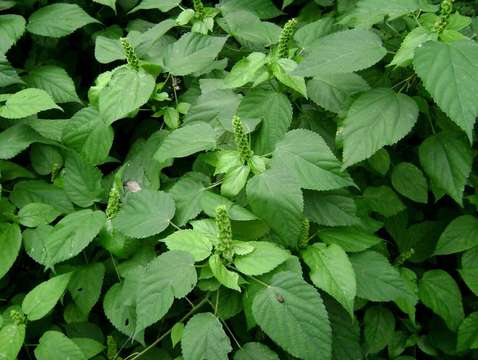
242,179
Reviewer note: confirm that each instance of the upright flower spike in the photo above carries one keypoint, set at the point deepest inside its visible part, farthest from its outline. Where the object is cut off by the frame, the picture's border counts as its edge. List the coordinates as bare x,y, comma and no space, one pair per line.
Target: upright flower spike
224,233
114,199
198,9
241,139
285,36
130,54
446,8
304,238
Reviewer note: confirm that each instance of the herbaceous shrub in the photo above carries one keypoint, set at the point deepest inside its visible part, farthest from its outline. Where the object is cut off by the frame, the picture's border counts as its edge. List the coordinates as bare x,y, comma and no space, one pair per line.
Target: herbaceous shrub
238,179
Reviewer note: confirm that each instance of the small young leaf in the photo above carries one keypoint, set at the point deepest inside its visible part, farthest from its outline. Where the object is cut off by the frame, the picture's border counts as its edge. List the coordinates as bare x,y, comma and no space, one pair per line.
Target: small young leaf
410,182
265,257
226,277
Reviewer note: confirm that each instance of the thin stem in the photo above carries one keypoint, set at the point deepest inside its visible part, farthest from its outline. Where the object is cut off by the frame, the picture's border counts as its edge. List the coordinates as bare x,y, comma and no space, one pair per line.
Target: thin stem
258,281
174,225
158,340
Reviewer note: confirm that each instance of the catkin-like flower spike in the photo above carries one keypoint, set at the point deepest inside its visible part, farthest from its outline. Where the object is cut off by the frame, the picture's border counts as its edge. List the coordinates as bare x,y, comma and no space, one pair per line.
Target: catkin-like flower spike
285,36
304,237
446,8
111,349
114,200
17,317
55,170
198,9
241,139
224,233
130,54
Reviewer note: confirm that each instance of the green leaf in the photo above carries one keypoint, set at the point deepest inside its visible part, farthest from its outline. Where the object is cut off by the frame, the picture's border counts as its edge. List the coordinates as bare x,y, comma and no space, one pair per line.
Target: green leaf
226,277
440,293
235,180
89,347
198,244
49,245
186,141
264,9
370,12
204,338
54,345
12,337
274,109
45,158
377,279
11,29
307,35
383,200
410,182
85,286
58,20
43,298
282,70
27,102
10,243
177,333
255,351
460,235
187,194
330,208
82,182
331,271
410,43
342,52
145,213
377,118
275,197
349,238
55,81
36,214
334,92
449,71
15,139
292,314
115,103
245,70
8,74
469,269
447,159
306,155
379,326
265,257
110,3
171,275
162,5
37,191
193,52
468,333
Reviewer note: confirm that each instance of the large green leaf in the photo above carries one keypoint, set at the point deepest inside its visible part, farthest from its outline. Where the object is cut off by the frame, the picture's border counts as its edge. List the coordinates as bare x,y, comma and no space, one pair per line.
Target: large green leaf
145,213
349,238
85,286
291,313
460,235
193,52
410,182
43,298
50,245
17,138
162,5
265,257
186,141
330,208
54,345
275,197
12,337
27,102
55,81
11,29
379,326
8,74
265,9
116,103
342,52
10,243
198,244
58,20
377,118
204,338
306,155
331,271
469,269
82,182
449,71
468,333
171,275
275,110
447,159
255,351
439,292
36,214
377,279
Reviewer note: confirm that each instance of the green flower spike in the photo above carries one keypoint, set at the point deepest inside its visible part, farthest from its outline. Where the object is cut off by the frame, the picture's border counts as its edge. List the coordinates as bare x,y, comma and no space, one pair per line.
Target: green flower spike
304,238
446,8
198,8
130,54
285,36
224,235
241,139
